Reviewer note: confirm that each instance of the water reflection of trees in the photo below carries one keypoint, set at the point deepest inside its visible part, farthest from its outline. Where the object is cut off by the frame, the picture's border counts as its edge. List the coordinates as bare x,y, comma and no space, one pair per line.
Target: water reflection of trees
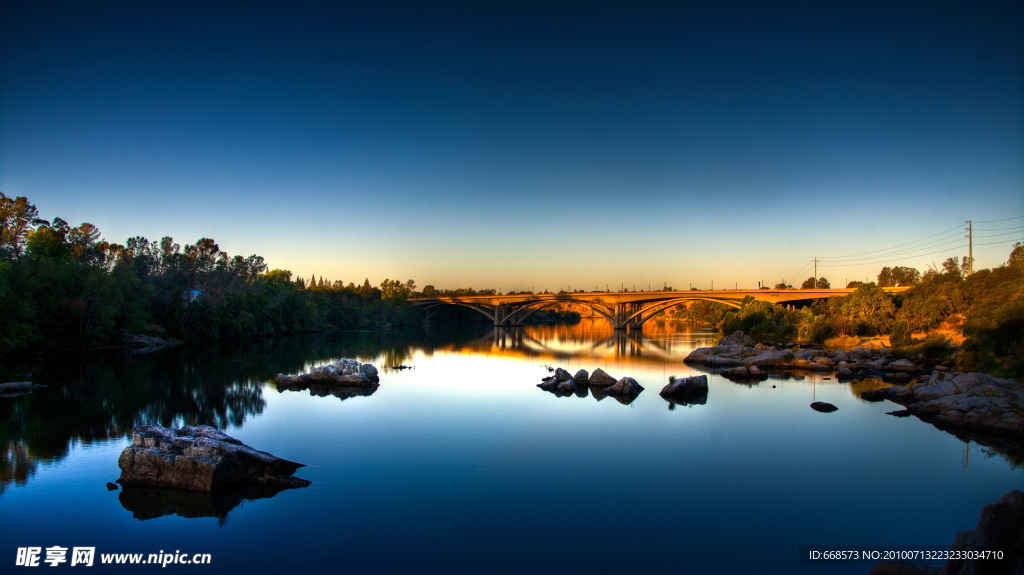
100,396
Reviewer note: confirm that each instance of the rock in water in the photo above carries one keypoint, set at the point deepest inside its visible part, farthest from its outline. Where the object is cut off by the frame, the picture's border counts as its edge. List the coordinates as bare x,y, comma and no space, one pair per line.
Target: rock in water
684,386
627,386
562,375
823,407
581,377
345,372
601,379
200,458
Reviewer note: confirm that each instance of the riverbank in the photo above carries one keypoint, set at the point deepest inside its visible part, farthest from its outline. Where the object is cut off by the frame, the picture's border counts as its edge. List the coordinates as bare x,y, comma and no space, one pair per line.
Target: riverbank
930,389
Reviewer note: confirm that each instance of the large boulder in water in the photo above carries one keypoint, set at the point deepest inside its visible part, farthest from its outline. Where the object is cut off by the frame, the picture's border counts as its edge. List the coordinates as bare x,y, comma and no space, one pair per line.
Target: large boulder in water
200,458
581,377
627,386
686,386
601,379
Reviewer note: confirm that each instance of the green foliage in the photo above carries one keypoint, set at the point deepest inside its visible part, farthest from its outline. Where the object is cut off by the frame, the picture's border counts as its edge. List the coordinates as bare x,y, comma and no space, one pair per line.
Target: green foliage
812,283
762,320
898,276
816,328
936,346
63,286
1016,259
705,312
900,335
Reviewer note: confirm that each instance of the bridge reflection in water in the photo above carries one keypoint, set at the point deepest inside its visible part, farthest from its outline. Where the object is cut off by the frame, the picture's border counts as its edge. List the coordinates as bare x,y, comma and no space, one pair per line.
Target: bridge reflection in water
590,339
625,310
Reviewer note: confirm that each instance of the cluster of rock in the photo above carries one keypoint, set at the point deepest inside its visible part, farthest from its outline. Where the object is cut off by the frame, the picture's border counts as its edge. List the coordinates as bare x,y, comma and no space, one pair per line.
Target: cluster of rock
744,362
344,372
1000,529
563,383
974,401
16,388
201,458
686,390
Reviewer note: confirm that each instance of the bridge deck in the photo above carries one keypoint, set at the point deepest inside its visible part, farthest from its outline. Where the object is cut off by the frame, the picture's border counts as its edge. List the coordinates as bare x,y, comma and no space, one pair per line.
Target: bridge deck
773,296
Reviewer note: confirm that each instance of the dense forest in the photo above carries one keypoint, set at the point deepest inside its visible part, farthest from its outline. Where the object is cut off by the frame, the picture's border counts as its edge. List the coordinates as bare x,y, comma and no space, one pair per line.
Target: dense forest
943,306
64,287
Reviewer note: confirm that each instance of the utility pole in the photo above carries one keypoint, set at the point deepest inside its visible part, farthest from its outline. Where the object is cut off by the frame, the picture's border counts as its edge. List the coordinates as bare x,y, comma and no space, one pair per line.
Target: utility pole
815,273
970,247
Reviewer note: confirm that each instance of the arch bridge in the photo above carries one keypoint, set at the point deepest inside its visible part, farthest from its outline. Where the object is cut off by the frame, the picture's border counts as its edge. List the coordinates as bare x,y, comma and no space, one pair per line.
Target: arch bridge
625,310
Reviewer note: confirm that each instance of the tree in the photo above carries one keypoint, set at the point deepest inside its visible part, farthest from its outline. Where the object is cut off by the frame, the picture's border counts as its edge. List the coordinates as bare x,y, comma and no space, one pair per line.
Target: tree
868,310
84,241
952,267
45,242
277,277
393,289
17,216
780,285
885,278
1016,259
811,283
905,277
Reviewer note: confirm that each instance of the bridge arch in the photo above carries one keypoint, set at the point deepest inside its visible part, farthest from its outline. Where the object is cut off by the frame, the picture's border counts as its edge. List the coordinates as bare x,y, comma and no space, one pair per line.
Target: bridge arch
640,316
624,310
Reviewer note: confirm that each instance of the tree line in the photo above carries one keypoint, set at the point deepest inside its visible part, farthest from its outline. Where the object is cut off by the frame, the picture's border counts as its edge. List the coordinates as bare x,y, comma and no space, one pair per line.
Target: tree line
66,287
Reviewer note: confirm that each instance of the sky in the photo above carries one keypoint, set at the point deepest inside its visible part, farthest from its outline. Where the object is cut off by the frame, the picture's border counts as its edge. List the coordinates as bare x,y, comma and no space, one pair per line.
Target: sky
527,145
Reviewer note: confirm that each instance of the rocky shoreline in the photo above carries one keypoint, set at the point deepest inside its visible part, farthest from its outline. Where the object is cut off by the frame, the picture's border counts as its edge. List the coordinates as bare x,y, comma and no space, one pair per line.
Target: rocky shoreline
970,401
929,389
754,362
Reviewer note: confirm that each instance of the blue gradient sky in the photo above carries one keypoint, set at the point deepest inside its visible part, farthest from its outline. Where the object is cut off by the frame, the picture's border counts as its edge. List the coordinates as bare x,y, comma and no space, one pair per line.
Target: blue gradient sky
525,145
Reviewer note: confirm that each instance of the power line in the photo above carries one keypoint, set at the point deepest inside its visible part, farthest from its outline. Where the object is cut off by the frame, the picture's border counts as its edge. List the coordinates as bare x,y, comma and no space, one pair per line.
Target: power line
904,258
946,232
792,277
952,239
1002,234
1004,229
1002,242
1002,220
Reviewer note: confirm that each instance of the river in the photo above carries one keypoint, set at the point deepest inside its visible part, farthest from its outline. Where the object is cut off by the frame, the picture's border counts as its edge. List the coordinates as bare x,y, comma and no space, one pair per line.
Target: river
462,465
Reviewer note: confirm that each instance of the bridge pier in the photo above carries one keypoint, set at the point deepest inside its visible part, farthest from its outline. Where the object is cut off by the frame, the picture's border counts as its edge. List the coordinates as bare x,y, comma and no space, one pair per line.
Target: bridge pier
627,317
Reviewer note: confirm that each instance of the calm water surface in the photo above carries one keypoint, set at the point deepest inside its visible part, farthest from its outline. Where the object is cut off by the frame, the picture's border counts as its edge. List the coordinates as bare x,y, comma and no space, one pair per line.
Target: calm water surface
462,465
